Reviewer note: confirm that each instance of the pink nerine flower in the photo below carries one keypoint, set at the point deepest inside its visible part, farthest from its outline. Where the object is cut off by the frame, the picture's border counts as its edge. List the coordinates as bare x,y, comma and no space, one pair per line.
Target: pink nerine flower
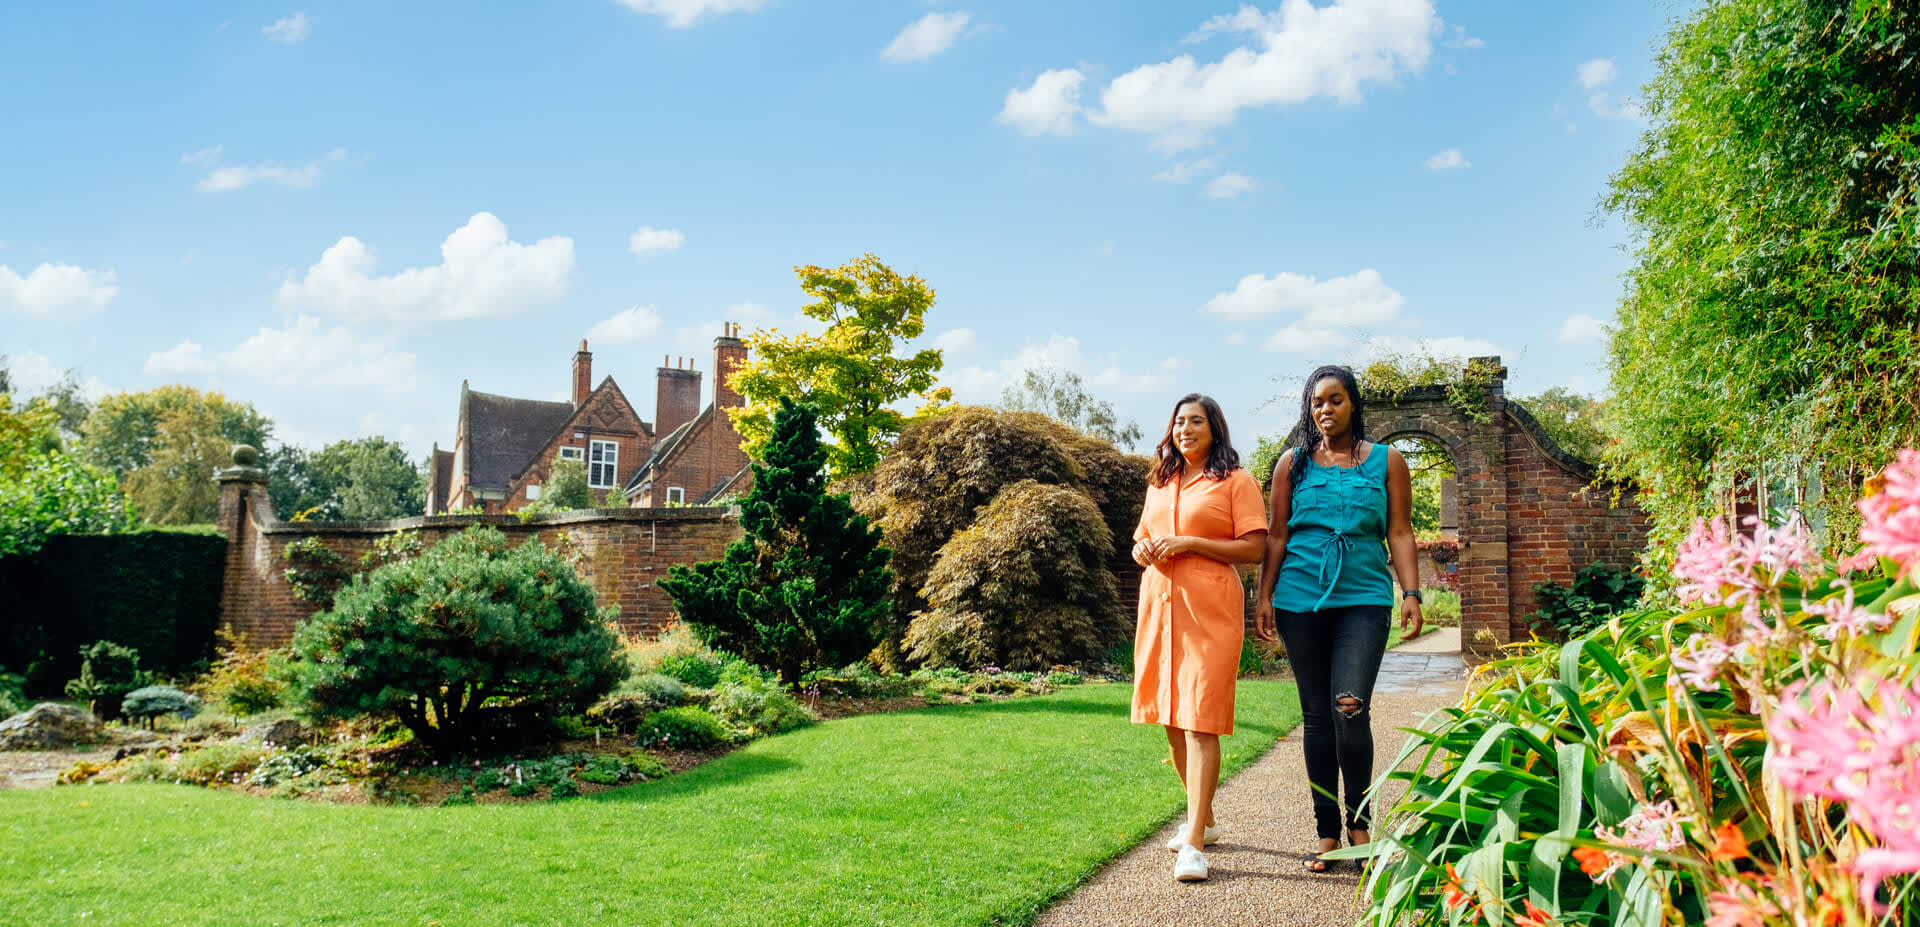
1739,903
1725,568
1700,660
1843,615
1839,746
1890,519
1653,827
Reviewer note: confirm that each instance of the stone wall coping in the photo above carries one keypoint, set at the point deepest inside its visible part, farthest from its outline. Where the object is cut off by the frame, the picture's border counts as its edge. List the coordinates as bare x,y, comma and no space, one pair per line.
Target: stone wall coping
575,517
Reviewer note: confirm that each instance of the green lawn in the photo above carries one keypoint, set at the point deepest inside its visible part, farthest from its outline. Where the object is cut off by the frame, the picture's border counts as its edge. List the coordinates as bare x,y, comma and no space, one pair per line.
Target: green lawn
956,815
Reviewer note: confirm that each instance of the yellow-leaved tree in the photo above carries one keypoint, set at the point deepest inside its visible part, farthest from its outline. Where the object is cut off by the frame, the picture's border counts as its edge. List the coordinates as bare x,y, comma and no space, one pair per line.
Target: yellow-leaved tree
850,372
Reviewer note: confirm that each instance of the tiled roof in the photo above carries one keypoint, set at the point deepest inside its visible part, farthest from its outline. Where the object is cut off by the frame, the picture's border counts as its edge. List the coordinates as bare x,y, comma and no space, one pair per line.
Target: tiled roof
740,479
665,448
504,434
442,480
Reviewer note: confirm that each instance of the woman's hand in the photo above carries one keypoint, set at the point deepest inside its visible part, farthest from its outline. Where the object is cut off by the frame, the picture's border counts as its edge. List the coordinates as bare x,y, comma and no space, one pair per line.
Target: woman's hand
1263,621
1410,619
1178,544
1143,552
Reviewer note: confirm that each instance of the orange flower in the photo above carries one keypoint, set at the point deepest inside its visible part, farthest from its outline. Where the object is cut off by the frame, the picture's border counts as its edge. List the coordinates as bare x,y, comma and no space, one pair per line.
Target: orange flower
1826,911
1458,898
1534,917
1593,861
1728,844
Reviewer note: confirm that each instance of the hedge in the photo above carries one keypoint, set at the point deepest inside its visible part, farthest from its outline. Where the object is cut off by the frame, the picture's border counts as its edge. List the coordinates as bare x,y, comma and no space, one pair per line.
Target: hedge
157,592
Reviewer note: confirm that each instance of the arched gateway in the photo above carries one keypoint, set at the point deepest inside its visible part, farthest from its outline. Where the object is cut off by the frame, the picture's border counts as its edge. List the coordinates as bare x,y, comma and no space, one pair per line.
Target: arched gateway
1526,510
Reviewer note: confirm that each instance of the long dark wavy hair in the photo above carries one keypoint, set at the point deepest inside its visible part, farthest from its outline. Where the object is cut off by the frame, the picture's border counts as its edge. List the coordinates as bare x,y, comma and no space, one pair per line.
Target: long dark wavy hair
1310,436
1221,457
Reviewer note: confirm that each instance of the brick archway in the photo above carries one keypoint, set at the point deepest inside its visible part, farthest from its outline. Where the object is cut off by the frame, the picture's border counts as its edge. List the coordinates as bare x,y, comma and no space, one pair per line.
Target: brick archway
1529,512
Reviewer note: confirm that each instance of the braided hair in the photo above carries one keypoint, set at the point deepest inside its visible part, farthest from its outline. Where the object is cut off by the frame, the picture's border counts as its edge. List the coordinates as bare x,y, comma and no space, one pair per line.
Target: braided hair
1310,436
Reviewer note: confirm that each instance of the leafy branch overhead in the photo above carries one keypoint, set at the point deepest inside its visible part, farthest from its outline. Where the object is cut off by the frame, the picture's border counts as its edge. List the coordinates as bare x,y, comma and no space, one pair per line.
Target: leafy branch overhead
850,372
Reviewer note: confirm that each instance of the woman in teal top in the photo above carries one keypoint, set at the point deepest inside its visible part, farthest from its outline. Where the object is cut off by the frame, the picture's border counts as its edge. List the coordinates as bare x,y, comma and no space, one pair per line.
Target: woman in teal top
1339,502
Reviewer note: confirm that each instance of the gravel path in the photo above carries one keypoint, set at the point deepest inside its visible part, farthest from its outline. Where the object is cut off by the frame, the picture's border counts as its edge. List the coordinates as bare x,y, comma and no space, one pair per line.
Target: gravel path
1256,876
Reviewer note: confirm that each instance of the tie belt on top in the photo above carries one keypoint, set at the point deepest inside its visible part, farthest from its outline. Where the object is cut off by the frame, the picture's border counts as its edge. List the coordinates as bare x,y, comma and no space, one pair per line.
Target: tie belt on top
1332,560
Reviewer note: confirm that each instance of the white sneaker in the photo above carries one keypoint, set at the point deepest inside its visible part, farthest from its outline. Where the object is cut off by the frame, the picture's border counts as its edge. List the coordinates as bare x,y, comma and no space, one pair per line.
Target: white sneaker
1191,866
1179,838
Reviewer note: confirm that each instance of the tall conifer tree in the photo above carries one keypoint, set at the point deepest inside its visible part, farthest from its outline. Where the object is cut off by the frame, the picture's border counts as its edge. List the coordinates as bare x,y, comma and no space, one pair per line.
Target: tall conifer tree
808,586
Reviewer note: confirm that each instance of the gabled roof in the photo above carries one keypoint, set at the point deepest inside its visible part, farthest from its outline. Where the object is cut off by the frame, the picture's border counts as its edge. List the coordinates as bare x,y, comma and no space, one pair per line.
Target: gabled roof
665,448
606,385
503,433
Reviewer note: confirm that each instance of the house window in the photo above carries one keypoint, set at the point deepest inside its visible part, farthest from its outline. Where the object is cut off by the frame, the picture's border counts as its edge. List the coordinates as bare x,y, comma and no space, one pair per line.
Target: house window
606,458
533,491
676,495
572,453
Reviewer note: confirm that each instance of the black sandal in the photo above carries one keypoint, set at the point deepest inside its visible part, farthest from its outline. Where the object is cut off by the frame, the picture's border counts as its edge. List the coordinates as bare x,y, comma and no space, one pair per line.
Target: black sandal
1326,865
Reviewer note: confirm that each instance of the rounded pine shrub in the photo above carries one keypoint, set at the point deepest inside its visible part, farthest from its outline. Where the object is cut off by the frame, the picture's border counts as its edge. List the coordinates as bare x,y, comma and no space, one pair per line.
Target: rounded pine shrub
429,641
146,704
1027,586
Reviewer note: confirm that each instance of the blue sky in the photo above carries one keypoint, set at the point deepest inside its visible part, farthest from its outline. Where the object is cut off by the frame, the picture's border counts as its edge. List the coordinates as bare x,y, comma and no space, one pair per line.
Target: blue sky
338,211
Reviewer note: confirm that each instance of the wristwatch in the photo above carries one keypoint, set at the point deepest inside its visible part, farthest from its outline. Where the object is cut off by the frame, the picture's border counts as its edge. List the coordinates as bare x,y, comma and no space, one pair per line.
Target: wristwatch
1413,594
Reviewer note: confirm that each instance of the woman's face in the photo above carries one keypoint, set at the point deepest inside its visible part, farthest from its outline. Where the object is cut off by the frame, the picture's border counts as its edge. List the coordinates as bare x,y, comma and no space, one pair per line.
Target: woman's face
1192,433
1332,407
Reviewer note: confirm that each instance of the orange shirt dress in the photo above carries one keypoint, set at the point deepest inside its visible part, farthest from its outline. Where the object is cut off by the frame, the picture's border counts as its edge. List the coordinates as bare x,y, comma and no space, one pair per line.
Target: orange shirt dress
1186,650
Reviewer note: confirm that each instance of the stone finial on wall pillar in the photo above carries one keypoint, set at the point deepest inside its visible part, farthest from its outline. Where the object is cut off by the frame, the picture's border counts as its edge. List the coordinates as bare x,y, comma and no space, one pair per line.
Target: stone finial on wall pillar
241,485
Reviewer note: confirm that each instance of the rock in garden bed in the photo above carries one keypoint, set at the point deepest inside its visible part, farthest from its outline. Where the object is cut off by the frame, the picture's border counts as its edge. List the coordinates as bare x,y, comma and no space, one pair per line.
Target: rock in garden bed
50,726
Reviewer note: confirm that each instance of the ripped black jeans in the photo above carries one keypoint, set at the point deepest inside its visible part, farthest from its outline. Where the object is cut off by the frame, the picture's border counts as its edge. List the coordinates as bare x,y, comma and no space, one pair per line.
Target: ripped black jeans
1336,655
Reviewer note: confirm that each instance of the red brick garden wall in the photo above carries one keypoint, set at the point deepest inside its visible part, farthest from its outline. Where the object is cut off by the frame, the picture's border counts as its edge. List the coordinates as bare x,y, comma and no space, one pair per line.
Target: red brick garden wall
623,554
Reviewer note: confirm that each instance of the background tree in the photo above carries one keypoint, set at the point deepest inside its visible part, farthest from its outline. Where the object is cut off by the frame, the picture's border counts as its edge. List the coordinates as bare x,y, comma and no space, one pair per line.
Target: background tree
124,428
46,490
850,372
807,587
372,478
175,486
566,488
1063,395
1765,343
296,494
1573,420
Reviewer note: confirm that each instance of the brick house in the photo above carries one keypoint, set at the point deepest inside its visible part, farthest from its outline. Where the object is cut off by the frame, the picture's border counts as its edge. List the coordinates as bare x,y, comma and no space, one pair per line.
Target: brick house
504,447
699,460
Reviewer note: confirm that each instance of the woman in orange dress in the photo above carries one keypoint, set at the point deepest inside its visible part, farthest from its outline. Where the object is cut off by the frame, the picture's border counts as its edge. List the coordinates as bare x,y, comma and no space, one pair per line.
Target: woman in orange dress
1203,514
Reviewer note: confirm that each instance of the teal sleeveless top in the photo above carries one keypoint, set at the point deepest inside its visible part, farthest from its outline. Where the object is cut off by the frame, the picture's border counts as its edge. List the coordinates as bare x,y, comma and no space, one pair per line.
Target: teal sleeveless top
1336,538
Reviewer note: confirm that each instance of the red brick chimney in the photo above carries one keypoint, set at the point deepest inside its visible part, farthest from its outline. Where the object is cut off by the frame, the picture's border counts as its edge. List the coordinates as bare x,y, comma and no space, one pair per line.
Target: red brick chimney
729,354
678,400
582,374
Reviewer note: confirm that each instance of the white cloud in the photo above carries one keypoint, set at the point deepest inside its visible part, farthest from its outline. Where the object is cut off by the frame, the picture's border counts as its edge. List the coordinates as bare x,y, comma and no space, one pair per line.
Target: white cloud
1237,338
1188,171
626,327
680,14
290,31
1597,73
482,274
926,37
983,384
1158,380
1458,38
1295,338
56,291
186,359
1229,185
1046,108
1448,160
306,354
1604,104
959,339
1446,346
203,156
240,176
1583,328
1358,299
649,241
32,373
1297,53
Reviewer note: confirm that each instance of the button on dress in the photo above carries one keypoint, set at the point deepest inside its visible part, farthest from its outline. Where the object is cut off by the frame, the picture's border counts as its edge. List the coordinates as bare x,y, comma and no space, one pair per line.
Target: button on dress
1186,650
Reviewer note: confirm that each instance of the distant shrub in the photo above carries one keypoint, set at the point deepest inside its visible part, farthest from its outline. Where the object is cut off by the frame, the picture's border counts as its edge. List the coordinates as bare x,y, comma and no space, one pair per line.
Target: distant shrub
212,764
754,705
684,728
13,695
1026,586
857,680
1064,679
245,681
108,672
1440,608
1598,592
431,640
150,702
678,654
664,690
1252,663
607,769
